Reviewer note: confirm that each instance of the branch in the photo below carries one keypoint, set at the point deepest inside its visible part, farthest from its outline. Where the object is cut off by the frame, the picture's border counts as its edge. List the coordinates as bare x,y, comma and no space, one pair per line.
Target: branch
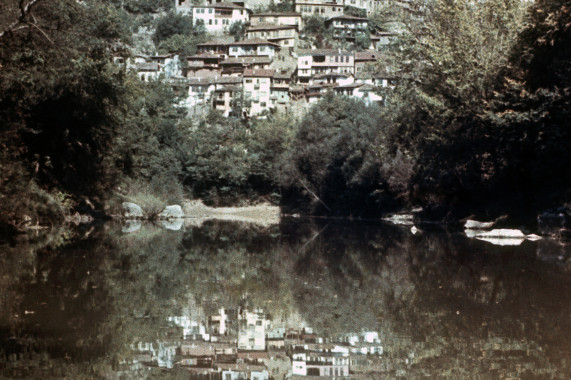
21,22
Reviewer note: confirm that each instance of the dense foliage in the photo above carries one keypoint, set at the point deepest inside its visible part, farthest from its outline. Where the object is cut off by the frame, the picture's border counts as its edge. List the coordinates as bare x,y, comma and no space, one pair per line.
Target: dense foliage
477,122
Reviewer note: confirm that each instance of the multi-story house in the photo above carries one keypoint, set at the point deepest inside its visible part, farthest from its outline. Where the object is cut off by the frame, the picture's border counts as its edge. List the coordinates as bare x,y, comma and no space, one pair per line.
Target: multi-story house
227,91
370,6
277,18
321,8
257,89
280,91
194,93
366,59
217,18
365,92
147,71
320,61
252,46
347,26
203,65
213,47
236,65
285,36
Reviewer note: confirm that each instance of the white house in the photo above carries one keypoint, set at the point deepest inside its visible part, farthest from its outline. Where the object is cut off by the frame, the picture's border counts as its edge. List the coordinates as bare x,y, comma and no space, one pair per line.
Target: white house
253,325
277,18
320,61
258,89
217,18
347,26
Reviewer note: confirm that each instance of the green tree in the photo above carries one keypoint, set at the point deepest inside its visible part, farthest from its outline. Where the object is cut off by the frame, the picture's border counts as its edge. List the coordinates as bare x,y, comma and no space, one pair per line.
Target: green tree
172,24
334,164
238,30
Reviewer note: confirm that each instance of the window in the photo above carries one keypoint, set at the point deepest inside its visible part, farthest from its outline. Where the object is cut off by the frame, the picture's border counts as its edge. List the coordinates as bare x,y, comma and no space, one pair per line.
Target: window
215,22
209,10
210,22
248,81
337,59
262,104
261,19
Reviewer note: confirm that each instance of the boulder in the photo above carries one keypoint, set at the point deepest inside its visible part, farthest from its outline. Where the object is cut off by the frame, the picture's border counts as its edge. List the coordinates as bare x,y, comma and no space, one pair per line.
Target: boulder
502,237
503,233
171,212
475,225
132,211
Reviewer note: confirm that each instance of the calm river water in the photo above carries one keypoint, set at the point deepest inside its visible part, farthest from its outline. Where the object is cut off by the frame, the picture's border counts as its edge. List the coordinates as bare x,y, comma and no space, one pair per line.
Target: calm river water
225,300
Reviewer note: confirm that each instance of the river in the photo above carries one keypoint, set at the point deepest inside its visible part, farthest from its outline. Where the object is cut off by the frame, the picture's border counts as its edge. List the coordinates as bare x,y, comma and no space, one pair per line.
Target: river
303,298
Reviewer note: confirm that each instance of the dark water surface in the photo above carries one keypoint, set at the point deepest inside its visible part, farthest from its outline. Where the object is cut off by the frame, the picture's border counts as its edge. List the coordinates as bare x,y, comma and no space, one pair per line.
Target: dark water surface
349,300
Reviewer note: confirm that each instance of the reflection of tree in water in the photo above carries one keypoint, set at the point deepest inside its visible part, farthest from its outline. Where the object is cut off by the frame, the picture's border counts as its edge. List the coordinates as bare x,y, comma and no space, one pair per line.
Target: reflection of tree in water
443,304
446,304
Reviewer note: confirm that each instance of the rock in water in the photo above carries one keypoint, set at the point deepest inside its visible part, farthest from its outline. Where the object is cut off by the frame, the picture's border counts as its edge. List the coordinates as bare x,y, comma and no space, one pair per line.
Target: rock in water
172,212
475,225
400,219
502,237
132,211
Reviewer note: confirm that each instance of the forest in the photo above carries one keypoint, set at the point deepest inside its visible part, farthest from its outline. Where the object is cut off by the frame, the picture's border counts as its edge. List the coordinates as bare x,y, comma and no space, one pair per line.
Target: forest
476,124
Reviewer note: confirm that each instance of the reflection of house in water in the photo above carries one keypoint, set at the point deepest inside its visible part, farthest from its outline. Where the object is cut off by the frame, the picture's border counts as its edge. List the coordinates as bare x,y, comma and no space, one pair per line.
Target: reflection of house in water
252,330
329,364
275,339
243,372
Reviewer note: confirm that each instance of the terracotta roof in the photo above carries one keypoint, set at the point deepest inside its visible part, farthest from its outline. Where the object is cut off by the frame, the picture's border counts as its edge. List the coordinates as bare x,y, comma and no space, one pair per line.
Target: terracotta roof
347,17
285,14
258,73
253,41
367,55
269,26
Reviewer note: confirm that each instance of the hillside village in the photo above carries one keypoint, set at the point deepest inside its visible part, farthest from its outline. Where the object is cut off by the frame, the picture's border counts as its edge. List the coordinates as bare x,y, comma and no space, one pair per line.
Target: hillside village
245,344
273,65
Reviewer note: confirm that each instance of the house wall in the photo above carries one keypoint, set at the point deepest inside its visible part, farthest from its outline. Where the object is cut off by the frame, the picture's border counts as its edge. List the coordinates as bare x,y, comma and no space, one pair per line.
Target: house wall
218,20
283,37
240,50
258,90
274,19
326,10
